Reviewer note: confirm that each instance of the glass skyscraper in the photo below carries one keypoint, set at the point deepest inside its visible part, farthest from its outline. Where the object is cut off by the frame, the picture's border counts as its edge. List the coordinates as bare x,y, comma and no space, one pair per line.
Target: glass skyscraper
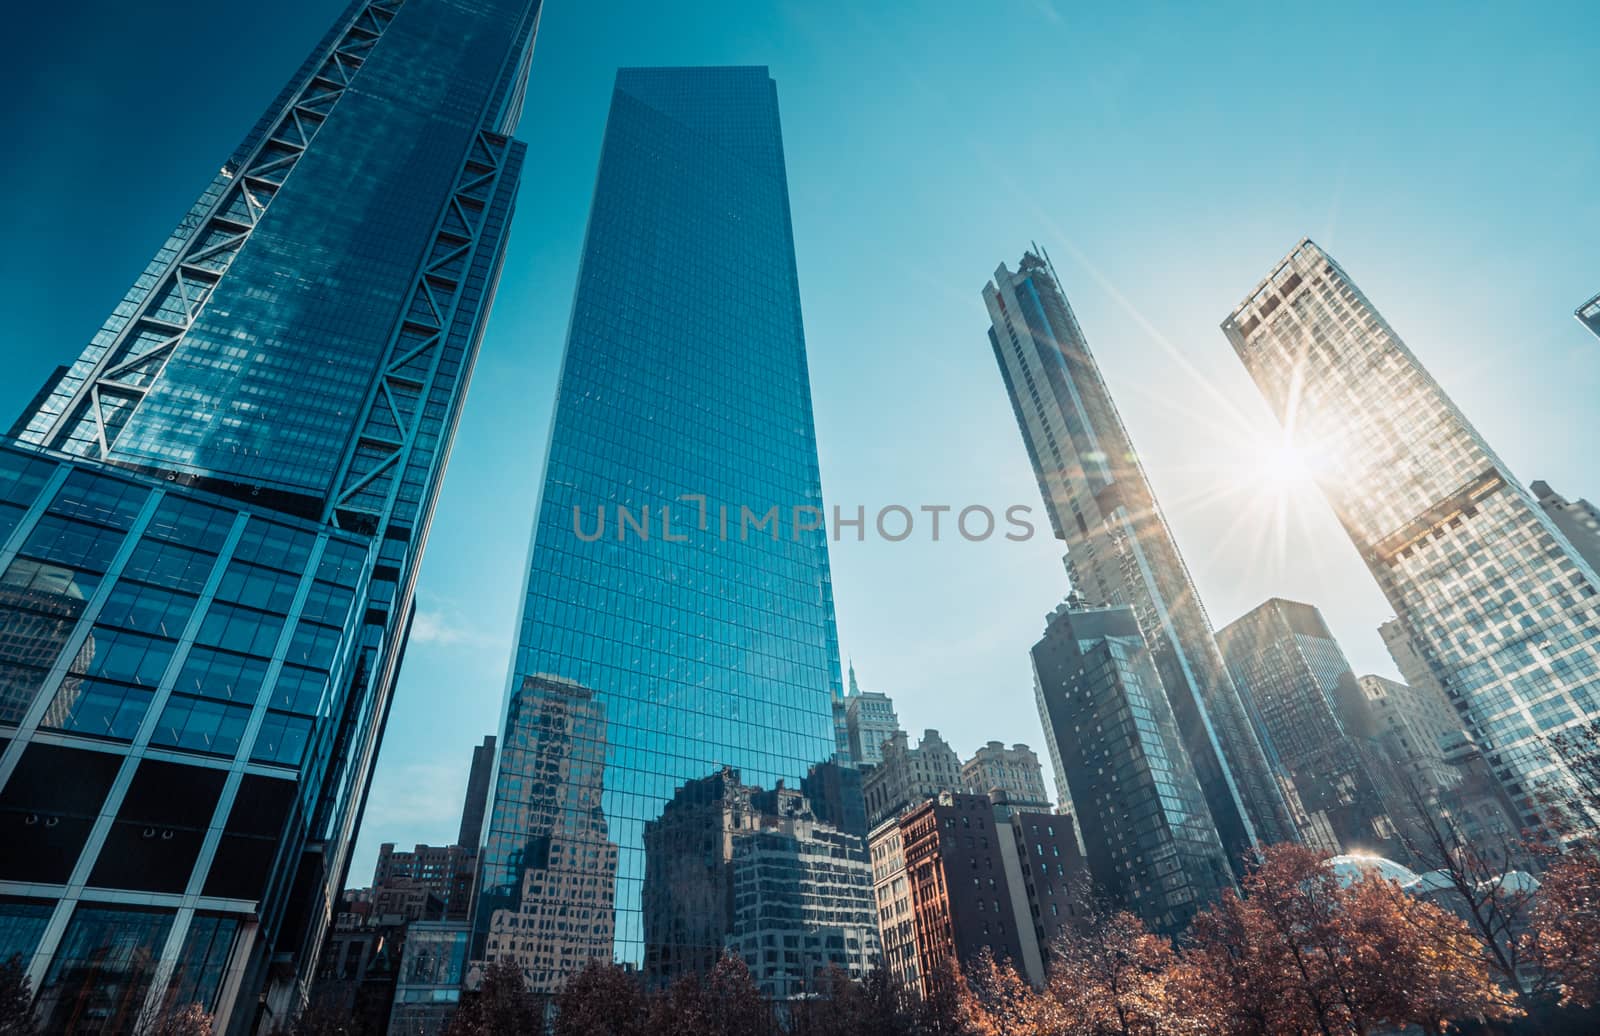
1148,835
676,651
1589,315
211,525
1119,548
1504,611
1313,720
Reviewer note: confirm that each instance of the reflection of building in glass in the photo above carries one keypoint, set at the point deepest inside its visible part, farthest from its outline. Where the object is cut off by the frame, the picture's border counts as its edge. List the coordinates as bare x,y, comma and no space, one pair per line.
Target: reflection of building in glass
729,866
1012,772
1146,835
557,912
907,776
239,471
684,399
1120,551
1313,721
1499,604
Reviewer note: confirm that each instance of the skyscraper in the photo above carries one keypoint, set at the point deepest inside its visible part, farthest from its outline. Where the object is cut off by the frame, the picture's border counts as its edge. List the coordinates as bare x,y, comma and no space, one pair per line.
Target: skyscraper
215,518
477,800
1499,604
1588,314
684,406
1119,549
1312,715
1147,835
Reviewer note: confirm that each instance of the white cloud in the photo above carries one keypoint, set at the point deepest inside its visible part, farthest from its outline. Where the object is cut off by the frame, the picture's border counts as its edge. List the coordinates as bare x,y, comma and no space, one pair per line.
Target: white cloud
443,627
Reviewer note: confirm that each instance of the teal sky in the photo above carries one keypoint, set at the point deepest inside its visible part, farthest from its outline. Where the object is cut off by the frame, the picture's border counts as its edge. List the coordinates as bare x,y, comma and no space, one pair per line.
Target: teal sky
1165,155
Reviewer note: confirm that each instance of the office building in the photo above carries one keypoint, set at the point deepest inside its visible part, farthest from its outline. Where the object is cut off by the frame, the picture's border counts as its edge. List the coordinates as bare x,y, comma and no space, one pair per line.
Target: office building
1412,726
432,971
477,799
679,638
1009,773
1147,838
1588,315
1313,720
1578,520
1499,604
1120,551
227,495
906,777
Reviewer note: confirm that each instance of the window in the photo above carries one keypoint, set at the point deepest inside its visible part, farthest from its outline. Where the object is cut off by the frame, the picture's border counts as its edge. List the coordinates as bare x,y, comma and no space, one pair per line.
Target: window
199,725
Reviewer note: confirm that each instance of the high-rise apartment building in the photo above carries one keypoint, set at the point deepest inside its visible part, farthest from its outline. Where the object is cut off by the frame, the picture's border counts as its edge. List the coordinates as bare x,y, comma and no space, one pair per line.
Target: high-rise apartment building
1412,725
1500,605
213,523
907,776
1313,720
1588,315
1578,520
1120,551
677,618
1009,774
1147,838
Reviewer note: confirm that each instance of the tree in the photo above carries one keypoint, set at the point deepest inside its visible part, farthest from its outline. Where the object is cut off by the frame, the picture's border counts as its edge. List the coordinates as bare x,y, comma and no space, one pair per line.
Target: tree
16,999
501,1006
601,1000
946,1006
189,1020
737,1007
324,1015
1301,952
1564,937
1111,977
1002,1002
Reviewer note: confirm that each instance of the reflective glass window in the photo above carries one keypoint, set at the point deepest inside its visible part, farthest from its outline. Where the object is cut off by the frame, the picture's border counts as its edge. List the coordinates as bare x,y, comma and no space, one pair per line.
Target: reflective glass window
102,970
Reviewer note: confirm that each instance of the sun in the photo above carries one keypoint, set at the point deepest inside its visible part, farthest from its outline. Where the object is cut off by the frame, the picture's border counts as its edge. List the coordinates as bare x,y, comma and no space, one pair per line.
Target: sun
1281,465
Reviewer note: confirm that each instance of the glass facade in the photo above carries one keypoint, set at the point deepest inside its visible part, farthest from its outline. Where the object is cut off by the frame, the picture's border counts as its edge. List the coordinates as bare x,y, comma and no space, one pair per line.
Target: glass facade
1314,721
677,642
1589,315
1119,548
1147,834
1502,608
212,521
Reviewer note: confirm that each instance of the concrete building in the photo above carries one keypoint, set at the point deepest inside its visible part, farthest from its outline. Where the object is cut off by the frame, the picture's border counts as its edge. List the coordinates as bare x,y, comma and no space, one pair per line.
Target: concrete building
1578,520
979,874
477,801
1138,805
445,870
891,890
908,776
1499,604
1120,550
1413,725
870,720
1013,772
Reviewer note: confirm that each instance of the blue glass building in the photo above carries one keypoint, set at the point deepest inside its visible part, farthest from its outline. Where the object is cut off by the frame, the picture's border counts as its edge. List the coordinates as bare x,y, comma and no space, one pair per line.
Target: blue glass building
675,658
211,524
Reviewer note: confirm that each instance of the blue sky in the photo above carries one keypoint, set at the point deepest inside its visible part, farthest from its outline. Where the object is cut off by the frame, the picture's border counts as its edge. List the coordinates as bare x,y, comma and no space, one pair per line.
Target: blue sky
1165,155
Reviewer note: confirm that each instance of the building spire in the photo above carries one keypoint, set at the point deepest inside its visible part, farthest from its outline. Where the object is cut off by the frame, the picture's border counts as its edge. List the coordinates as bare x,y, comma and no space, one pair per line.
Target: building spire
854,690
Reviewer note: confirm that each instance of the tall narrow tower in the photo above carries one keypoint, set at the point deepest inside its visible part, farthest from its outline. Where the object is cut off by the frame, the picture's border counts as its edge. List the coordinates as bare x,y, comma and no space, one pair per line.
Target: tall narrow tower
1501,606
213,522
1119,548
707,642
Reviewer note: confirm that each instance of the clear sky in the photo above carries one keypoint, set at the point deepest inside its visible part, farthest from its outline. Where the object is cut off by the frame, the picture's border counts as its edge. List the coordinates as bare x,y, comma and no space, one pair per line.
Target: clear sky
1166,155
